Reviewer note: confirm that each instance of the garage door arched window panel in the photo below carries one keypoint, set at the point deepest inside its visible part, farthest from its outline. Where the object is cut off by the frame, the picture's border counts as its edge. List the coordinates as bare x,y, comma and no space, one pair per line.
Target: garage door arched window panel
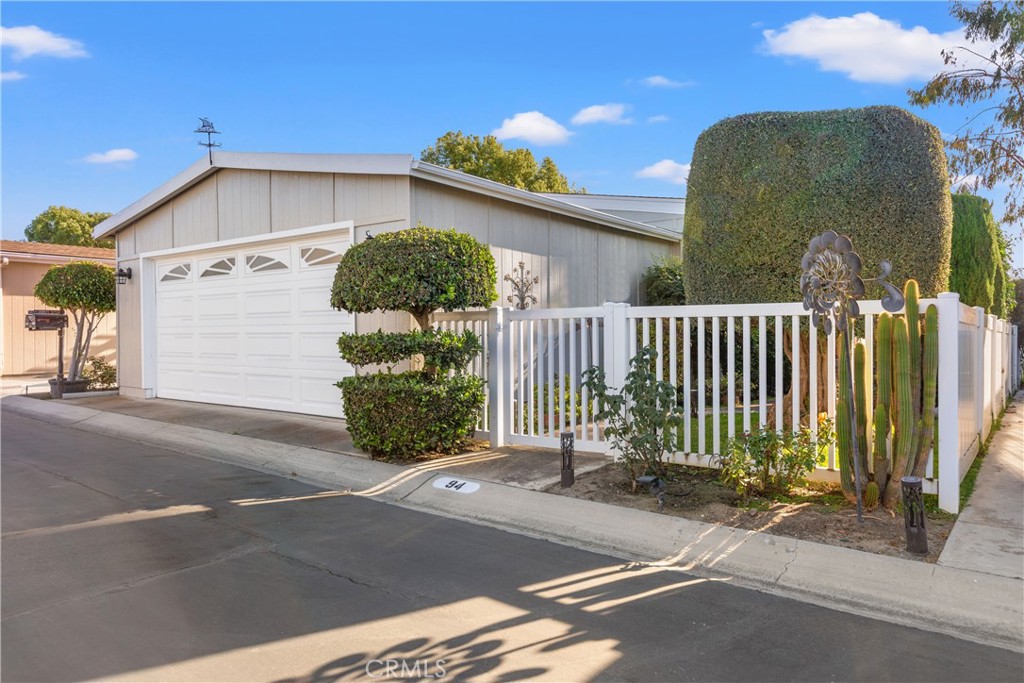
217,267
320,255
266,262
176,272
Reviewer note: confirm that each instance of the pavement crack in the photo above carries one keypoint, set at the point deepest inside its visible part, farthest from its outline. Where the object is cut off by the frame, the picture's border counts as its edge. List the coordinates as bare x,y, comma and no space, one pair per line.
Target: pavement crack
297,562
796,549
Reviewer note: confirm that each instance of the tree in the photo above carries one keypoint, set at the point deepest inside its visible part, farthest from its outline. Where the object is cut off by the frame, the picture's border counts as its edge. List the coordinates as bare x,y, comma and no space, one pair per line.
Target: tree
487,158
989,147
64,225
417,271
87,291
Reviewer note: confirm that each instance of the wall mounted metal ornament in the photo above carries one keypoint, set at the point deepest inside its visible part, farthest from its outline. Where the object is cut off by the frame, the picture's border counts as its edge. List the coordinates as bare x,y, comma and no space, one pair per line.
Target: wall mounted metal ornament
830,284
522,287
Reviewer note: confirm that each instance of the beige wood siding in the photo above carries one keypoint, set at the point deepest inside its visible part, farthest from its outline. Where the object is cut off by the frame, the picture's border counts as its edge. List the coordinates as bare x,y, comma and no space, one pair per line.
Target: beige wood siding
31,353
129,322
579,263
243,203
194,215
300,199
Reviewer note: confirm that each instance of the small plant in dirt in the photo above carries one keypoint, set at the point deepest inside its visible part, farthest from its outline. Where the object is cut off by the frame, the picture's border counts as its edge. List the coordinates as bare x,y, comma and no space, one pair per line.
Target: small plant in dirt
100,373
421,270
641,418
765,462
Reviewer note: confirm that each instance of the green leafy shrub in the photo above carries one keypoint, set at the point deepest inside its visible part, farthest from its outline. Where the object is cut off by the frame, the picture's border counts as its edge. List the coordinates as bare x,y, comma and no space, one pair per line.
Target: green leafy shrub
440,349
761,185
409,413
664,282
419,270
765,461
640,419
100,373
975,259
87,291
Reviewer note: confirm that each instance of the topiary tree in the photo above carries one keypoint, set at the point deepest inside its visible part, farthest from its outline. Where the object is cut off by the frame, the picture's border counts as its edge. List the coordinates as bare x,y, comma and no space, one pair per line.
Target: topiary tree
87,291
761,185
975,261
419,271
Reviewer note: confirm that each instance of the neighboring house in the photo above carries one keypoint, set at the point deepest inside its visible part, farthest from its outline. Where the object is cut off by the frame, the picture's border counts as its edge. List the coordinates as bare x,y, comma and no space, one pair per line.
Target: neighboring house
233,264
23,265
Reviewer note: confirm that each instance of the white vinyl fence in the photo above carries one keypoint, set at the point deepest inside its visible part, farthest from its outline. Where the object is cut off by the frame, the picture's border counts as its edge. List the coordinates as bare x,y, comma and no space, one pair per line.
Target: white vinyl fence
735,367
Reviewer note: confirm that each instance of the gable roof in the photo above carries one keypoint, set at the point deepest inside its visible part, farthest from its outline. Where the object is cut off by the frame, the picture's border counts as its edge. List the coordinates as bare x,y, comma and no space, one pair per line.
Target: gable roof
369,164
53,253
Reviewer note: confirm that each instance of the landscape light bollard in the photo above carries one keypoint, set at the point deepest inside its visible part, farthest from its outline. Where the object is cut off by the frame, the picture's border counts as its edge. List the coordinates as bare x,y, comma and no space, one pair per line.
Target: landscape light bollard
913,515
568,443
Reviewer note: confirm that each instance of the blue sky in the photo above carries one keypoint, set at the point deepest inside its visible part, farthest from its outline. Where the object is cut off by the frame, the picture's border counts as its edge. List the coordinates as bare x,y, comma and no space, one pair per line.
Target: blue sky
100,99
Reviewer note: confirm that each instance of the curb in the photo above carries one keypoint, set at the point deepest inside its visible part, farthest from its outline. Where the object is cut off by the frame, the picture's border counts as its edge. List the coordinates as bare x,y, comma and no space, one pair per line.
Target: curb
969,605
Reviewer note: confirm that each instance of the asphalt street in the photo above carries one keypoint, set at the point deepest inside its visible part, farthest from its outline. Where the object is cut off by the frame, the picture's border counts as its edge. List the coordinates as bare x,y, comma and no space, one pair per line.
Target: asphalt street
128,562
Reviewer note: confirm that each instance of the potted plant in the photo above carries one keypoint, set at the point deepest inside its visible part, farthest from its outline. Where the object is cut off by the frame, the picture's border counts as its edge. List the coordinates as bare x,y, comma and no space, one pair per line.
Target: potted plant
87,292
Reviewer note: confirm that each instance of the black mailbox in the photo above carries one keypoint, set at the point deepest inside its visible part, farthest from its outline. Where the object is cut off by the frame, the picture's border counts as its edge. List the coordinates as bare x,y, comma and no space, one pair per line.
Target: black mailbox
46,320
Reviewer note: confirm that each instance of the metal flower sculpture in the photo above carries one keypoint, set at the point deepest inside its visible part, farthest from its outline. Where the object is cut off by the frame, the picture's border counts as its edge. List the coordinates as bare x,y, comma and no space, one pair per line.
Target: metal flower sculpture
831,283
522,287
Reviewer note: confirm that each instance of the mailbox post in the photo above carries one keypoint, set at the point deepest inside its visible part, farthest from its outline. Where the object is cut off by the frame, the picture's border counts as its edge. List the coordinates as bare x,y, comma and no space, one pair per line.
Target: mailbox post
39,320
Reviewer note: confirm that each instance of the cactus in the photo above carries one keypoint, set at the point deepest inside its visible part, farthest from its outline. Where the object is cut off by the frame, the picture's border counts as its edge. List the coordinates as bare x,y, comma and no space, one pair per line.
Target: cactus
883,362
871,495
881,445
904,415
860,393
929,385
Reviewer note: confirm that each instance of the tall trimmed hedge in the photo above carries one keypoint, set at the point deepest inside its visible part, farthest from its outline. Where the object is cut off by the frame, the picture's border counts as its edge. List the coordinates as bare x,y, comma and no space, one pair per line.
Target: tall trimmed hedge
761,185
976,263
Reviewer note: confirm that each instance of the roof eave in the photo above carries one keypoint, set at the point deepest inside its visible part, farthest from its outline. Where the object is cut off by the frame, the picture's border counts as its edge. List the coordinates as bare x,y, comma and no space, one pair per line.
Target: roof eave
460,180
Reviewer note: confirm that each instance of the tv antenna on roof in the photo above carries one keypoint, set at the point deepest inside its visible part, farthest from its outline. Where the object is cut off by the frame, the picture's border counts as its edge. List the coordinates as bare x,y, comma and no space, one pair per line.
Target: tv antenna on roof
206,126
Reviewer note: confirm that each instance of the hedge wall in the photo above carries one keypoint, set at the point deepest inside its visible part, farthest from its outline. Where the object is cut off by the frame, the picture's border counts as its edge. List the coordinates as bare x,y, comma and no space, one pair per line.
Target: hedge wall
761,185
975,257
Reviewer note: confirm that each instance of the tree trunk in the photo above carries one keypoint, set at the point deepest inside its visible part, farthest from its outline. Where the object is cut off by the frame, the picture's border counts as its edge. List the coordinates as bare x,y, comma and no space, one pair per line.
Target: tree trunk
804,388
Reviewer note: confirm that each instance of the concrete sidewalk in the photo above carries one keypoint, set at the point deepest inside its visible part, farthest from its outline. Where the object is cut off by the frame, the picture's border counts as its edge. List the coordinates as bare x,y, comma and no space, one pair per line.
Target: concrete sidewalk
962,602
989,533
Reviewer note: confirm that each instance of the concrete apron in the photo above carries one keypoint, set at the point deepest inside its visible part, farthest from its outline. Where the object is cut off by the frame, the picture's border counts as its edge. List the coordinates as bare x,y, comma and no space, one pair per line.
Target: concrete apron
966,604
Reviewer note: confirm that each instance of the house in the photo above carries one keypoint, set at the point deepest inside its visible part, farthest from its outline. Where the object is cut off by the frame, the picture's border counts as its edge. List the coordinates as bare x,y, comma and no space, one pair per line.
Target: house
233,263
23,265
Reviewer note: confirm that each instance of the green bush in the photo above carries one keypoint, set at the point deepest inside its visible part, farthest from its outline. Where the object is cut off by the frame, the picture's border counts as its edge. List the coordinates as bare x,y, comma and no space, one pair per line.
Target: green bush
639,420
664,282
761,185
765,461
440,349
100,373
975,257
419,270
410,413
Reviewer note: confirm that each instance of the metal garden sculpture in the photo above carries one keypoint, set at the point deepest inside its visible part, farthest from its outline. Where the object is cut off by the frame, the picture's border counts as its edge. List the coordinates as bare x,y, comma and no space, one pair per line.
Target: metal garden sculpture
522,287
831,283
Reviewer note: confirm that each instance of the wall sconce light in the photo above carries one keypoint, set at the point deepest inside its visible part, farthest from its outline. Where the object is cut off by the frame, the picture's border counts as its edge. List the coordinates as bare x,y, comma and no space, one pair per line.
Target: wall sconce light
123,275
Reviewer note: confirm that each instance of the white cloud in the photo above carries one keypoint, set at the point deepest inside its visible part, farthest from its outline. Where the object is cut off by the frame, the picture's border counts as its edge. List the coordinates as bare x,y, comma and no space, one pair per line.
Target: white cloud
663,82
666,169
28,41
660,118
533,127
865,47
968,180
12,76
112,156
601,113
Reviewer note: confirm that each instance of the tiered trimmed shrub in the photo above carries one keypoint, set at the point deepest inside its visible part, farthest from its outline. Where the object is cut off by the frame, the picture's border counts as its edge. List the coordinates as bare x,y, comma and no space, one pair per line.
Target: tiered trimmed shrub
419,271
976,264
761,185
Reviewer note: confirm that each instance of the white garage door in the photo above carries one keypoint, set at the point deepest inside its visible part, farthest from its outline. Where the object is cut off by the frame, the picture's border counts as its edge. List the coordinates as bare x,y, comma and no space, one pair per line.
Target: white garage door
252,327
